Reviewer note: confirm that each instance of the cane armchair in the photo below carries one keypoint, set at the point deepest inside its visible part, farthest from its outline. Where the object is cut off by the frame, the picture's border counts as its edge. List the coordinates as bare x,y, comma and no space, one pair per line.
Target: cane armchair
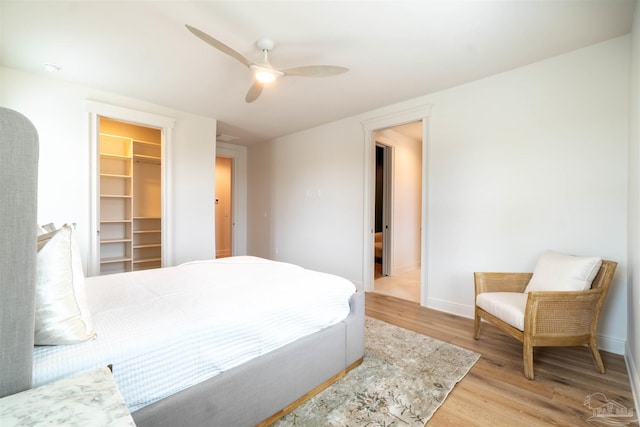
543,318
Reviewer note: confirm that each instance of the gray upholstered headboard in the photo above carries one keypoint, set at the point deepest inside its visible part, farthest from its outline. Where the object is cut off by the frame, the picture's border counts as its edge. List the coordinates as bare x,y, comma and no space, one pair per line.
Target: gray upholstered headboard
18,209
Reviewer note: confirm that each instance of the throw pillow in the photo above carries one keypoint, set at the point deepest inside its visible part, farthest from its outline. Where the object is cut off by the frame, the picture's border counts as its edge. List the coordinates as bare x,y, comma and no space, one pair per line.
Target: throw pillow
561,272
62,314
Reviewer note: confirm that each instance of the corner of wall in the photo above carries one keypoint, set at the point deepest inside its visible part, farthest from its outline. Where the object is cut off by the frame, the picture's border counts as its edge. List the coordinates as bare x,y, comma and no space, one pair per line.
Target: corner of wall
632,347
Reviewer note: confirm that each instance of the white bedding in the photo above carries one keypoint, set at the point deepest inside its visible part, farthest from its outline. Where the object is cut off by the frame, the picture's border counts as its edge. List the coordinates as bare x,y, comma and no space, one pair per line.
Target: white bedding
164,330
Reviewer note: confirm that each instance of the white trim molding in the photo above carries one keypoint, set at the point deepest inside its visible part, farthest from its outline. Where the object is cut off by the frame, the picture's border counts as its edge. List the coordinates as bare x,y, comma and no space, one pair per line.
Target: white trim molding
370,126
634,375
165,124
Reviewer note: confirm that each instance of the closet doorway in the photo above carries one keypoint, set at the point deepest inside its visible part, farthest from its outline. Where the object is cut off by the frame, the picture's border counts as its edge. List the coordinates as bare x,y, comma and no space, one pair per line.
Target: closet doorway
223,207
107,228
130,196
398,211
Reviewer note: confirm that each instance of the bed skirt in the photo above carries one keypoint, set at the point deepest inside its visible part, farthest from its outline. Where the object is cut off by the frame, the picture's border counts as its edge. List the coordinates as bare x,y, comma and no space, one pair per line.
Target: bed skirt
254,391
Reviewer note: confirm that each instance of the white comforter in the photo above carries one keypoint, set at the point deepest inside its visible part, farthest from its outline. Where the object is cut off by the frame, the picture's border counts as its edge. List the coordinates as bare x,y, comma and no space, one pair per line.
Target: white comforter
167,329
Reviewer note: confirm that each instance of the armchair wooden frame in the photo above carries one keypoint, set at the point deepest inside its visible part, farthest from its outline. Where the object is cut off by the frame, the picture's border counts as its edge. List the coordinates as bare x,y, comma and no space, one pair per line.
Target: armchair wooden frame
551,319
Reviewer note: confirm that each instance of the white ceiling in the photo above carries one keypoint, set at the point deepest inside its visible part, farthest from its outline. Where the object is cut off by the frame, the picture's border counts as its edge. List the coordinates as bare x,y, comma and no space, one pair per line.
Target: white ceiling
395,50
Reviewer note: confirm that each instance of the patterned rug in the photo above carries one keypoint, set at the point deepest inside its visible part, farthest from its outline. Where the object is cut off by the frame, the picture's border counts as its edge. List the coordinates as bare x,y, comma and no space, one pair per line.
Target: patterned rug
403,379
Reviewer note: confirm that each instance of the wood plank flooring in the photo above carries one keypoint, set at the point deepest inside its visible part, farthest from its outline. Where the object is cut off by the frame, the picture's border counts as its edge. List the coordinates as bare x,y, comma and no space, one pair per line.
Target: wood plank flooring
495,391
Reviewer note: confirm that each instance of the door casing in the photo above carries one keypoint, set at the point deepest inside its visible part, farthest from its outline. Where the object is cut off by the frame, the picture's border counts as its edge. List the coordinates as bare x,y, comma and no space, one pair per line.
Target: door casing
141,118
419,113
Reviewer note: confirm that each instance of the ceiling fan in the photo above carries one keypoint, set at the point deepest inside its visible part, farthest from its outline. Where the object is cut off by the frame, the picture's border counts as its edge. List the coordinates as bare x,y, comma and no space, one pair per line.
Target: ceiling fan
265,73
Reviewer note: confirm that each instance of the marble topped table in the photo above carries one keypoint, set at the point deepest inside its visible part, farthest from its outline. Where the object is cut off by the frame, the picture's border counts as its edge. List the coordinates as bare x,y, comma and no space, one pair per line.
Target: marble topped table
90,399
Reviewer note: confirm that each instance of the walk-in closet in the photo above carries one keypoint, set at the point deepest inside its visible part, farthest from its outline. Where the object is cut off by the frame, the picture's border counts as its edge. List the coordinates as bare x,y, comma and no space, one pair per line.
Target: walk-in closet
130,189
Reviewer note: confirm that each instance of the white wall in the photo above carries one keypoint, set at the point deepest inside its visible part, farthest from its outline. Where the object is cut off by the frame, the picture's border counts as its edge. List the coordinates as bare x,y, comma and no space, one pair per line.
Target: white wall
305,199
527,160
530,160
632,353
57,109
407,200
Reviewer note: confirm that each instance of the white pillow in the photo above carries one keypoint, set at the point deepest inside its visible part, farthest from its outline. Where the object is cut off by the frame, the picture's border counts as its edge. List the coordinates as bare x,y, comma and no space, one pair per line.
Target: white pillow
62,314
44,229
561,272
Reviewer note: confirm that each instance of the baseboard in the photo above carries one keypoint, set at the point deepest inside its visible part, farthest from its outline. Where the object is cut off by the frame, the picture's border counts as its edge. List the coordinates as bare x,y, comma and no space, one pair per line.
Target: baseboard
634,376
450,307
612,345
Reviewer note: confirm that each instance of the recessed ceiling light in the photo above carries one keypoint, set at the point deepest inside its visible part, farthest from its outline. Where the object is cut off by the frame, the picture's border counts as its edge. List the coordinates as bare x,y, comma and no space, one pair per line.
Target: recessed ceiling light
52,68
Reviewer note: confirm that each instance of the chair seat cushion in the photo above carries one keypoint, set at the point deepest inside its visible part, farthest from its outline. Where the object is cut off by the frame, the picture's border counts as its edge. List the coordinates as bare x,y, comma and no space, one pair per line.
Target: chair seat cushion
561,272
507,306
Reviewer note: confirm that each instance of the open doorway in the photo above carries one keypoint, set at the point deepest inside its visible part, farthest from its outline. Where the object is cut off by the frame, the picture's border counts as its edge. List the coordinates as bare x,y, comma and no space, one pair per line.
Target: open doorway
398,211
223,206
129,196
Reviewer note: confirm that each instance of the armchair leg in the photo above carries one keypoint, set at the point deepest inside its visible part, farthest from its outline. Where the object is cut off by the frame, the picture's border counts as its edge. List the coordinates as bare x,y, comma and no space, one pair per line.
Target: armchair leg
527,355
476,326
593,346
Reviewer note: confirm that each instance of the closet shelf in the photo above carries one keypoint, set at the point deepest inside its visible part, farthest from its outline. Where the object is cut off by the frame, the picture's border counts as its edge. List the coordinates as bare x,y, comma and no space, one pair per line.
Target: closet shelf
107,241
115,156
137,141
115,196
150,245
144,260
146,231
111,175
154,160
114,260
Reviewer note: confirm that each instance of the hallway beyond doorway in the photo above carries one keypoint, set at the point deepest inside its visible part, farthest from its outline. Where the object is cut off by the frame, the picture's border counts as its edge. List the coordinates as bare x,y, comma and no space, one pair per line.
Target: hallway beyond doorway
405,285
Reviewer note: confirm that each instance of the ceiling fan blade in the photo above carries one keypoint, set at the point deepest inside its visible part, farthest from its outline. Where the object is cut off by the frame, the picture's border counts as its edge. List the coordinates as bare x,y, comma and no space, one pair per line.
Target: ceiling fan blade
254,91
220,46
315,71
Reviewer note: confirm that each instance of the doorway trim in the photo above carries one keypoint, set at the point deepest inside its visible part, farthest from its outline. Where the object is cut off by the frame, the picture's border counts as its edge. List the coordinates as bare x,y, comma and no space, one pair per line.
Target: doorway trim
238,156
165,124
370,126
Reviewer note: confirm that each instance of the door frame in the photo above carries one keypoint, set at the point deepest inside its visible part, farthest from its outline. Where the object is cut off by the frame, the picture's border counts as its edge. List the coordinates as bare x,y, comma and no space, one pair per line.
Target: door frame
230,206
419,113
238,156
165,124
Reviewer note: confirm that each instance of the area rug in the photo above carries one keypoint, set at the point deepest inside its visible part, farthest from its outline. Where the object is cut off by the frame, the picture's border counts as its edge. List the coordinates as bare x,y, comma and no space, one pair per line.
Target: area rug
403,379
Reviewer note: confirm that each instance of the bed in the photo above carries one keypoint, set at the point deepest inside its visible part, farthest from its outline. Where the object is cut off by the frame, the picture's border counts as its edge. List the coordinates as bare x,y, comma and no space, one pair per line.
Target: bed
235,301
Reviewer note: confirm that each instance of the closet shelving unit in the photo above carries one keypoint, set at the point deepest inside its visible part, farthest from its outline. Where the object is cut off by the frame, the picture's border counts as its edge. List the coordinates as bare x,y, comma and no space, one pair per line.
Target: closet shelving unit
147,237
130,208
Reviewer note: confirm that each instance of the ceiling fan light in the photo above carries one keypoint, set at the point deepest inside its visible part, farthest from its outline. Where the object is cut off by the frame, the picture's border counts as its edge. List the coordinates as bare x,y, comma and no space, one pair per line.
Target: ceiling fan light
265,76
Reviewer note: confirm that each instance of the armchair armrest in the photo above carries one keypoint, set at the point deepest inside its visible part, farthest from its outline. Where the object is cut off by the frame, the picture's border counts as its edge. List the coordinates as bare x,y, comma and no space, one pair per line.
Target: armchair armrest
501,282
562,315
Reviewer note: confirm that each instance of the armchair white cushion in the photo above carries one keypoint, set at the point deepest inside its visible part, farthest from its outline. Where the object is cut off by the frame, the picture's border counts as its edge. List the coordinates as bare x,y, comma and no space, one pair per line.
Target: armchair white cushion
507,306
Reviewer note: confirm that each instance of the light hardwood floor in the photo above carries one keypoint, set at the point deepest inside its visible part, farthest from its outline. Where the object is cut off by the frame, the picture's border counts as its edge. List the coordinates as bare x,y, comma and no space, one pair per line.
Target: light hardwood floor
495,392
403,285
